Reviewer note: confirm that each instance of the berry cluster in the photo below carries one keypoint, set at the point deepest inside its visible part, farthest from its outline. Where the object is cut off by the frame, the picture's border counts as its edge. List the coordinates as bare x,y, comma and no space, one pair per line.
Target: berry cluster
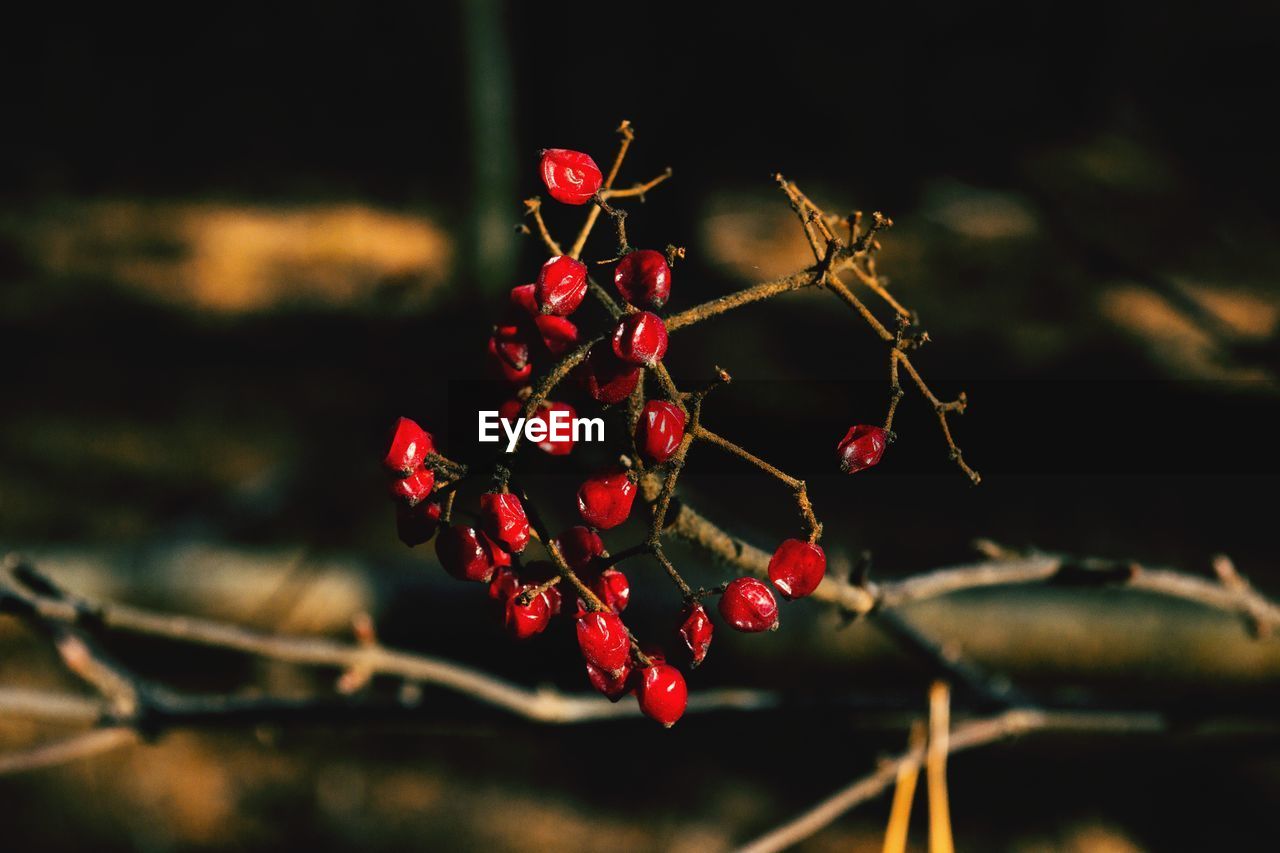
537,338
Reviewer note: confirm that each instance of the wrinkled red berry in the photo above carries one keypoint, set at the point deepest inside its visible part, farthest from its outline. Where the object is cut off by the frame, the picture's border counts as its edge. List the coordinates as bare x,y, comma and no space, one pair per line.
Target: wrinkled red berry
525,299
579,546
861,447
417,524
696,630
409,446
659,430
662,693
613,589
604,641
640,338
525,620
797,567
502,517
643,278
607,378
504,584
513,410
604,501
562,285
571,176
464,554
558,334
498,556
415,488
508,356
747,605
539,572
613,686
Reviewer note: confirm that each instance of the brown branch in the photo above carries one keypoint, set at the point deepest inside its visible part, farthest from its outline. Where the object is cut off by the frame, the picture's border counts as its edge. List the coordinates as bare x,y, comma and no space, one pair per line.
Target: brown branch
1245,602
83,745
970,735
533,207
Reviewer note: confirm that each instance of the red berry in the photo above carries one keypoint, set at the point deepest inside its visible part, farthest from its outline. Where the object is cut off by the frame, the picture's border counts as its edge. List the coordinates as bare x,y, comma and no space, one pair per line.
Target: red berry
541,571
504,584
409,446
498,556
643,278
640,338
660,430
503,519
464,554
861,447
613,686
525,620
413,489
558,334
696,630
604,501
607,378
747,605
562,285
579,546
604,641
417,524
571,176
508,356
524,298
613,589
513,410
797,568
662,693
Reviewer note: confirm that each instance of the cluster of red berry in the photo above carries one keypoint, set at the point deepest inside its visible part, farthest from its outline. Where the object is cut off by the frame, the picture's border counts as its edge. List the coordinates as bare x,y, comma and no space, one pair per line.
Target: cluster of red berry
535,332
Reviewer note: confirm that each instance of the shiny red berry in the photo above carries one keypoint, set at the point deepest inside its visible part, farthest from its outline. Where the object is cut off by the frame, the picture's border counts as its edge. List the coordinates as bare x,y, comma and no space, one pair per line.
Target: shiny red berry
662,693
747,605
571,176
524,298
604,641
605,377
659,430
640,338
504,584
498,555
613,589
502,517
417,524
643,278
861,447
579,546
464,554
508,356
604,501
696,630
513,410
797,567
558,334
415,488
525,620
562,285
613,686
409,446
539,572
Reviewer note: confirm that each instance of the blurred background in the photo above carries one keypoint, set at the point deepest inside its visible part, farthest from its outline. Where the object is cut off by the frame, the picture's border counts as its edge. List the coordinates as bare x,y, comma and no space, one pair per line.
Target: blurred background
234,245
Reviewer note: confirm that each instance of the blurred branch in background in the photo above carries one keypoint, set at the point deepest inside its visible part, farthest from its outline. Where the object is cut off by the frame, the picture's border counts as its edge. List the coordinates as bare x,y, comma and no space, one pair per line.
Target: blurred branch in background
490,95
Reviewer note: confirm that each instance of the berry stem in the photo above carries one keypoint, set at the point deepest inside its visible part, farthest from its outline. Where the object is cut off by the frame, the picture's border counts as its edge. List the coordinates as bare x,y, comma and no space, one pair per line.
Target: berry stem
533,207
799,486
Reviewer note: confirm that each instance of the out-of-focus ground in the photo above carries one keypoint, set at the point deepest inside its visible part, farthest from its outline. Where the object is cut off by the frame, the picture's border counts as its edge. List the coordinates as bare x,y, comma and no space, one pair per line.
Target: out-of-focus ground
207,326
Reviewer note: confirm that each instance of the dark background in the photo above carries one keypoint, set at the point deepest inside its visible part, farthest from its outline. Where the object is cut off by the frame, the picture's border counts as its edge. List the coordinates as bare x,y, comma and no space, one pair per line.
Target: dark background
1083,198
